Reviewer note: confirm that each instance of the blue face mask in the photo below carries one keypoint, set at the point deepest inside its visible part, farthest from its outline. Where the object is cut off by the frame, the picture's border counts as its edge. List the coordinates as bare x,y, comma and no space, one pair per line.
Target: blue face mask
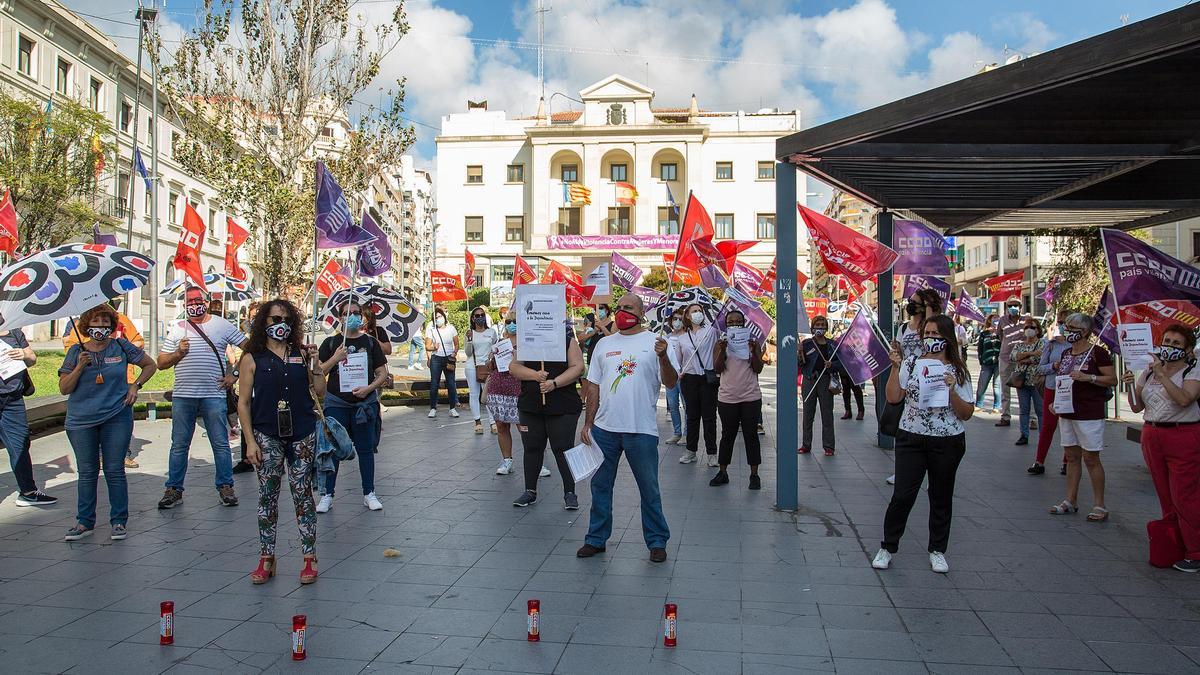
602,313
511,328
354,322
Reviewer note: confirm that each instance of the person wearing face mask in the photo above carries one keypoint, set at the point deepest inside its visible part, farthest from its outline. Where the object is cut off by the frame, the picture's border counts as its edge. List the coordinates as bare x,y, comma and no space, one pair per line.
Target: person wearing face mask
739,399
931,440
621,418
1048,424
988,352
441,341
818,367
850,390
99,420
1166,394
674,395
354,404
1012,331
14,425
278,414
204,376
1081,418
698,382
480,341
1026,379
503,390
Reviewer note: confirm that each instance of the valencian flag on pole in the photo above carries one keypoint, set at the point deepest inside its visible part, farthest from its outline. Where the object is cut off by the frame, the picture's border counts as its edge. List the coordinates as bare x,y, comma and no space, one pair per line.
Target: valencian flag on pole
522,273
845,251
333,278
187,253
446,287
1150,286
374,257
967,309
577,194
9,235
99,237
235,236
861,352
1104,325
469,264
697,226
1005,286
625,273
335,225
921,249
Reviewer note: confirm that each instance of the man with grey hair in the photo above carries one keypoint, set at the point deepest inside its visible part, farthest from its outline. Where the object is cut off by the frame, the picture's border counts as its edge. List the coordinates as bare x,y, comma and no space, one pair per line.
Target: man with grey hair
1012,330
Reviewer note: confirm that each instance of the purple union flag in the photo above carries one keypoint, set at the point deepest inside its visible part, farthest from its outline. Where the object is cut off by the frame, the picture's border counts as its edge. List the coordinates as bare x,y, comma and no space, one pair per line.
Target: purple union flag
921,250
860,351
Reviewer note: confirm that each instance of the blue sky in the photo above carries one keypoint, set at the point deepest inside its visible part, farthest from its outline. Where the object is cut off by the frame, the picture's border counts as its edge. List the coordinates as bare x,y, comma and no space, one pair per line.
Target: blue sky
828,58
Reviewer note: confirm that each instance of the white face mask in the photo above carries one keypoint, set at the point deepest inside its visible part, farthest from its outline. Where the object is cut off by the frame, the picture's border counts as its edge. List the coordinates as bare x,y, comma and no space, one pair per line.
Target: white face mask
677,324
697,318
439,322
1030,333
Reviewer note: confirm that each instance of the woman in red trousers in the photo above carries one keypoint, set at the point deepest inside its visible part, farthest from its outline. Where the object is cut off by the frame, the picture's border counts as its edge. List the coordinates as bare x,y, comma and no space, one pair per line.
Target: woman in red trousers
1167,391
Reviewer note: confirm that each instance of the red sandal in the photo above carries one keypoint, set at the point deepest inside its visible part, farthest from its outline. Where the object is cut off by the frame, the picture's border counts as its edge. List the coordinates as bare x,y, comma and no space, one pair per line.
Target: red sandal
309,574
264,571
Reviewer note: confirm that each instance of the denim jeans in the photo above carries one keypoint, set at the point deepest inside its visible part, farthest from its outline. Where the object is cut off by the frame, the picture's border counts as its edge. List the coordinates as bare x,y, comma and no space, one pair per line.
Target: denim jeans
642,452
105,444
184,412
366,441
673,409
1029,397
437,366
14,433
415,347
986,374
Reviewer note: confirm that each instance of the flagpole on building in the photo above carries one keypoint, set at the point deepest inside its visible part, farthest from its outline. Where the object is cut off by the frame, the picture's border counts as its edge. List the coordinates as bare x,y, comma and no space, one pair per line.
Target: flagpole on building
154,300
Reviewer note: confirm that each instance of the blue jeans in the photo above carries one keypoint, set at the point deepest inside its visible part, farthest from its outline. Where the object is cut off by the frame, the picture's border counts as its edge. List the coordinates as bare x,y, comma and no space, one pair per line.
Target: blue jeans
105,444
184,412
673,410
366,441
14,433
415,347
987,373
1025,396
437,366
642,452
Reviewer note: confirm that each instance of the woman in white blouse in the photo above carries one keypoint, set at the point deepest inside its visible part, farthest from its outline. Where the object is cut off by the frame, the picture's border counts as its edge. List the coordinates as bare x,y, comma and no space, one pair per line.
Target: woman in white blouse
938,398
480,341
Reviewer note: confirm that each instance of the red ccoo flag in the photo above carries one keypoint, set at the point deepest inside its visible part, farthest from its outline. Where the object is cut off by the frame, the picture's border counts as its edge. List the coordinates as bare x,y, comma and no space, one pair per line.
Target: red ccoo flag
187,253
1005,286
697,226
845,251
522,273
9,235
730,248
446,287
235,236
332,278
558,273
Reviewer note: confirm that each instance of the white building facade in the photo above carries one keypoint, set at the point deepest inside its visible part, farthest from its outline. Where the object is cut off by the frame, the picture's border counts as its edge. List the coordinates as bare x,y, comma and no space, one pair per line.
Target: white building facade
401,201
500,181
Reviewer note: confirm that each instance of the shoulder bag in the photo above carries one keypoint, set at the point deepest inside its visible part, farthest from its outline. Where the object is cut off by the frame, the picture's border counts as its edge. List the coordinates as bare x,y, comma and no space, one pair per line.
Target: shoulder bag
231,397
889,418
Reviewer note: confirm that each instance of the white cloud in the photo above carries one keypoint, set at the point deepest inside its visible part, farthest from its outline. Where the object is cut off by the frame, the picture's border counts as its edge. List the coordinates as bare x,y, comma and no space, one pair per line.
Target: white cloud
1033,33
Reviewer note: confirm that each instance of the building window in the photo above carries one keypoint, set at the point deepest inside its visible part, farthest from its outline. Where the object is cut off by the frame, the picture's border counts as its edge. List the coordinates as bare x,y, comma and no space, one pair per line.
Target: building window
766,226
122,194
474,228
1195,246
1012,248
173,208
96,94
570,173
212,224
766,170
514,228
668,220
516,173
327,132
502,273
475,175
126,116
724,171
723,226
618,220
175,138
25,53
62,77
668,172
618,173
568,220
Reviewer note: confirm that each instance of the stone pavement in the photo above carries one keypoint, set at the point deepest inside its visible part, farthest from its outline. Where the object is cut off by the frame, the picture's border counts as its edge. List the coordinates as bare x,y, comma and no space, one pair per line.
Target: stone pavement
758,591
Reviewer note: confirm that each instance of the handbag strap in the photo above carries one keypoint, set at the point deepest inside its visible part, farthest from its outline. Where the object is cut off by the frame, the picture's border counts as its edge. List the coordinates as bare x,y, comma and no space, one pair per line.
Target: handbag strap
220,361
312,391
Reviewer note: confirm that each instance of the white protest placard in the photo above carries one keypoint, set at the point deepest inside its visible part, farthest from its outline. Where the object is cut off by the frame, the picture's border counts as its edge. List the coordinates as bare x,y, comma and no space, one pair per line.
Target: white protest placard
9,367
1137,339
583,460
933,391
1064,395
738,345
352,373
541,311
601,278
503,353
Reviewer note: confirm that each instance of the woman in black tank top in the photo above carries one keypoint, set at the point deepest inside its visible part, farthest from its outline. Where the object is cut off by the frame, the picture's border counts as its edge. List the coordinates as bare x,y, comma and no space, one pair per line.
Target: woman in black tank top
549,407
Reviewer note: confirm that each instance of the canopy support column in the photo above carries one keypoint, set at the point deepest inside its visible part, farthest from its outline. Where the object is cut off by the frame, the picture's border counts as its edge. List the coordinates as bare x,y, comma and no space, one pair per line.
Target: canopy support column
787,300
884,294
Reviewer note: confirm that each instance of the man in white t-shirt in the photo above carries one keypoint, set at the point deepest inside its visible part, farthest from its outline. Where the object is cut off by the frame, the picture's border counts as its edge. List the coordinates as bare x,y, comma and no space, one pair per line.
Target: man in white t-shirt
198,349
622,385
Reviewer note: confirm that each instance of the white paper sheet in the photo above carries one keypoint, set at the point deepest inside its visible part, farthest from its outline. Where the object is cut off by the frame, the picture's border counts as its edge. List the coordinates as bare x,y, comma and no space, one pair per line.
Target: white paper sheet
933,390
1137,339
352,373
1064,395
584,459
738,345
9,367
503,352
541,311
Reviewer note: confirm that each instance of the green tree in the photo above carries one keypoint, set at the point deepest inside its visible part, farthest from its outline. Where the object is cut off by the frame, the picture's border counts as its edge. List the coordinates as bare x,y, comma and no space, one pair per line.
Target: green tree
259,82
656,279
48,164
1080,268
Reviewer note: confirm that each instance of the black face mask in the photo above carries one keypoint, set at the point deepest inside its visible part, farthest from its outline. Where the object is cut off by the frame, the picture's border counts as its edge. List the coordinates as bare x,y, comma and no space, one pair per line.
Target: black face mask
913,308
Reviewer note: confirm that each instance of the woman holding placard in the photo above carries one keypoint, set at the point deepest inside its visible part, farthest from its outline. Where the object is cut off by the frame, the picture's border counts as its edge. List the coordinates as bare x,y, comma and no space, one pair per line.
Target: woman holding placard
1084,375
938,398
738,358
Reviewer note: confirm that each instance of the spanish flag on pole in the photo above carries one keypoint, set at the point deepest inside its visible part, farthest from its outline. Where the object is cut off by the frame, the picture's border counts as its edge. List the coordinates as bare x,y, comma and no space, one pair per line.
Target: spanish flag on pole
626,194
576,193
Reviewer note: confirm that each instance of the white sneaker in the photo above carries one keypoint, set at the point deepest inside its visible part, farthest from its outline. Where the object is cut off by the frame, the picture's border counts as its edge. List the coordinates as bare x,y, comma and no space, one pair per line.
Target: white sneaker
937,562
453,413
505,467
432,413
883,560
325,504
891,480
712,461
544,473
372,502
687,458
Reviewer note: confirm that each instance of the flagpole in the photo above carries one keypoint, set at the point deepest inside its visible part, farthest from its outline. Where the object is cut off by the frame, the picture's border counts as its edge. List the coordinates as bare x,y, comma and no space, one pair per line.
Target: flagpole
154,300
678,247
137,104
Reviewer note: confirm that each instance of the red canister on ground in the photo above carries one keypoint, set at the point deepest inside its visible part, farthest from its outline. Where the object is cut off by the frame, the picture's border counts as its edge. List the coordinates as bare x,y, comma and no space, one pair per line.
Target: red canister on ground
670,616
166,623
535,615
298,624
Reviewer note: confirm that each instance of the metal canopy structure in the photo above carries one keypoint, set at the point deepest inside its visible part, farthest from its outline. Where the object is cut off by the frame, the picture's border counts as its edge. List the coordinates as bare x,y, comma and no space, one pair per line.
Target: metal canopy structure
1102,132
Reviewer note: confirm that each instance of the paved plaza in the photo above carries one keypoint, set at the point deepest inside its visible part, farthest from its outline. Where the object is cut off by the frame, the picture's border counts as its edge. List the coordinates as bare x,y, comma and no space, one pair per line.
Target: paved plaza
758,591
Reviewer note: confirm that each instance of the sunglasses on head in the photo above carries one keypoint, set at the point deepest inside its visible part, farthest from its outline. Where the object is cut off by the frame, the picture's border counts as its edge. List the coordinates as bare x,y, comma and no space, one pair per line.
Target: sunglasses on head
275,318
